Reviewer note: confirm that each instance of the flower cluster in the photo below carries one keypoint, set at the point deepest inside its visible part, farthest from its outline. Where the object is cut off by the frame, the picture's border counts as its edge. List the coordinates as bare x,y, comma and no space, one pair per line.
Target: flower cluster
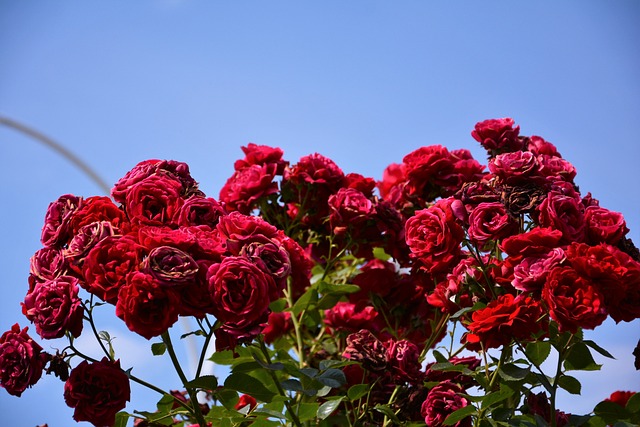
326,293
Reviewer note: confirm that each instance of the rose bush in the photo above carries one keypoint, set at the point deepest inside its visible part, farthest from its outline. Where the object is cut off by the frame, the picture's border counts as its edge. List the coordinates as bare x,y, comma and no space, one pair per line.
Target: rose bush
433,297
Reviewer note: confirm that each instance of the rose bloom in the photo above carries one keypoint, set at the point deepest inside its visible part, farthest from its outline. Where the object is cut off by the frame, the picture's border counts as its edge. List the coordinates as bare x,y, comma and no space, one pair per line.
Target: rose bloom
555,168
537,241
154,201
199,211
277,325
97,208
434,236
364,347
240,291
107,265
514,168
538,145
452,294
86,238
403,358
497,135
48,263
54,307
563,212
490,221
504,319
442,400
530,273
261,155
345,316
350,208
393,178
573,301
604,226
21,360
56,230
147,308
170,266
97,391
247,186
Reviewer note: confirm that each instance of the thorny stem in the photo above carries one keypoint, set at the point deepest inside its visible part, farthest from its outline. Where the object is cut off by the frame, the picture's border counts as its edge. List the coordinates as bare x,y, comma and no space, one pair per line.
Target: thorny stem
166,338
93,327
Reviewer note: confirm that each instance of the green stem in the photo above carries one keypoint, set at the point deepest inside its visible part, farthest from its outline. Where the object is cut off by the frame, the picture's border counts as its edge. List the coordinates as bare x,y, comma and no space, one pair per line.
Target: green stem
93,328
203,353
166,338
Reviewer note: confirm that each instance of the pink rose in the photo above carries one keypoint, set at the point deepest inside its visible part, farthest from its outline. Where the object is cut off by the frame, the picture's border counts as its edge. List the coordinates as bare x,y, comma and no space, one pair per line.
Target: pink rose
530,274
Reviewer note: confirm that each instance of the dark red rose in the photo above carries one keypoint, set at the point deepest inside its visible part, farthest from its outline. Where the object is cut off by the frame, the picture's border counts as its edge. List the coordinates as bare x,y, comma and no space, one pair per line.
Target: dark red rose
183,238
503,320
170,266
272,258
195,299
94,209
277,325
199,211
345,316
56,230
555,168
491,221
538,404
363,184
350,209
604,226
364,347
55,308
147,308
47,264
434,236
261,155
563,212
97,391
574,302
238,229
442,400
107,265
537,145
376,278
497,135
240,291
404,361
514,168
393,179
154,201
247,186
167,168
21,361
524,198
244,401
536,241
86,238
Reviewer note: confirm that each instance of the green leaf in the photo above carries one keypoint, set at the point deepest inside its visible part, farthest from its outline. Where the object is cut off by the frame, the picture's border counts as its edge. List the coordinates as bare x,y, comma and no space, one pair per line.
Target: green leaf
333,378
291,385
247,384
278,366
104,335
633,405
264,422
511,372
326,364
305,301
611,412
538,351
158,348
224,357
121,419
599,349
205,382
269,413
458,415
570,384
387,411
278,305
328,407
580,359
308,411
495,397
357,391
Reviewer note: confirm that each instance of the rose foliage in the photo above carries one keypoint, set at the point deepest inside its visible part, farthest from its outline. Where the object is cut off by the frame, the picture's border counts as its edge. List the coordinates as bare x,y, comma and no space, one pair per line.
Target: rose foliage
432,297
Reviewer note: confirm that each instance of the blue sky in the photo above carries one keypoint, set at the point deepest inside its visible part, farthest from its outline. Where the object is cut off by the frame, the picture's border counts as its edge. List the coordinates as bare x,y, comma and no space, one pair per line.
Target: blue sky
362,82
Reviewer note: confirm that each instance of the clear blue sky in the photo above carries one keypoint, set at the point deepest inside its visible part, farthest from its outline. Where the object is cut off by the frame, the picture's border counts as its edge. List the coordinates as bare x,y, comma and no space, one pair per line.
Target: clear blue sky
363,82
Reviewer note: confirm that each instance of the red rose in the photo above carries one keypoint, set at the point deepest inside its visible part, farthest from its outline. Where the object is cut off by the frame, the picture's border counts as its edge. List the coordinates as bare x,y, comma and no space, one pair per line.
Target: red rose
21,361
247,186
167,168
107,265
376,278
237,229
442,400
503,320
154,201
530,273
199,211
620,397
56,230
403,358
170,266
604,226
54,307
563,212
345,316
97,391
88,237
434,236
555,168
574,302
261,155
452,294
96,208
393,178
514,168
240,291
277,325
537,145
350,209
536,241
364,347
490,221
47,264
497,135
244,401
147,308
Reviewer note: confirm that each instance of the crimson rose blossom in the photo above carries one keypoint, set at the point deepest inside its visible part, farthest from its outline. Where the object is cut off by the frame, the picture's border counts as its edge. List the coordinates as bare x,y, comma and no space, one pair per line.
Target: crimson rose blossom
573,301
490,221
54,307
442,400
403,357
345,316
434,236
21,361
56,231
498,135
154,201
261,155
563,212
604,226
146,307
97,391
244,189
